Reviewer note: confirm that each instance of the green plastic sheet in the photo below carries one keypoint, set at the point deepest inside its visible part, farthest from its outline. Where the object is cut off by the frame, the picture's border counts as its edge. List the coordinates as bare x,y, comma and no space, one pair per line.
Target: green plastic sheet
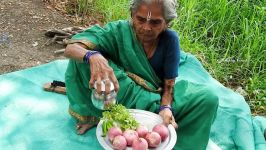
31,118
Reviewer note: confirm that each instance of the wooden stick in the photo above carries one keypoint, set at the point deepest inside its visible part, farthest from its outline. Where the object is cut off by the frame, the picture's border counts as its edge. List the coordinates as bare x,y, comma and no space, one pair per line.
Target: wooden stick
59,51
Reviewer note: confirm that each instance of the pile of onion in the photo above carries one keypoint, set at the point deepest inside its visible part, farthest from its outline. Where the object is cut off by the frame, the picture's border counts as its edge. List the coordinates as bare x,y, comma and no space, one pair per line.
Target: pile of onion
162,130
140,139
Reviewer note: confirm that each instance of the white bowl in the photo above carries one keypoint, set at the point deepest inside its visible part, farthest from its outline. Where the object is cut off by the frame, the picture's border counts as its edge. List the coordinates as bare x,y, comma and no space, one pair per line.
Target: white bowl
148,119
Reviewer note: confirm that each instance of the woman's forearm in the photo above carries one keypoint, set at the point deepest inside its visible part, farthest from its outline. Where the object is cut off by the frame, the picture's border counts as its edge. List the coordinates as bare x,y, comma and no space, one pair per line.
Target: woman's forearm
99,67
168,89
75,51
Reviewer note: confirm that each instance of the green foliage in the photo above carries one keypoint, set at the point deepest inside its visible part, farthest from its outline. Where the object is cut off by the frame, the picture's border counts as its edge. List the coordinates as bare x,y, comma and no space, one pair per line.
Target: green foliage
118,115
83,6
228,36
112,9
233,33
80,8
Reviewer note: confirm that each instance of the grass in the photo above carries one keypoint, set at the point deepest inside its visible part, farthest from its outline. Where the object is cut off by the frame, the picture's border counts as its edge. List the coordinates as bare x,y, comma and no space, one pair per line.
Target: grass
228,36
233,37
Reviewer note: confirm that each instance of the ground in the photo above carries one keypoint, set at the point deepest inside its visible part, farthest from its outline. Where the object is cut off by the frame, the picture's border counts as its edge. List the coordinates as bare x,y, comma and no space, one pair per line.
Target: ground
22,27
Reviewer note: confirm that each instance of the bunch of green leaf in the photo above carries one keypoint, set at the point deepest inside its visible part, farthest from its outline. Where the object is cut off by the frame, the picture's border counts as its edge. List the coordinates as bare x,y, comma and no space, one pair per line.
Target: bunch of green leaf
118,115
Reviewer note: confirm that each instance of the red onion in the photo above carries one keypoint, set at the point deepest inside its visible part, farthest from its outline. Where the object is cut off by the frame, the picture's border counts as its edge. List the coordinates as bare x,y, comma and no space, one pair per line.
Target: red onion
140,144
153,139
142,131
162,130
119,142
130,136
114,131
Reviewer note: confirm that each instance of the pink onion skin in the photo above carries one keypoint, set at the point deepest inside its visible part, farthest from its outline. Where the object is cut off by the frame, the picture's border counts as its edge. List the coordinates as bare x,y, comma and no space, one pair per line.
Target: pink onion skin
113,132
162,130
142,131
130,136
140,144
119,142
153,139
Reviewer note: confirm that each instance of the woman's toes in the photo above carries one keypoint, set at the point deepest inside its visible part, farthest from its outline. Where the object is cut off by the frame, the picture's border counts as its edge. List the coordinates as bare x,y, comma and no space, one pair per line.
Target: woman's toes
78,126
84,128
81,130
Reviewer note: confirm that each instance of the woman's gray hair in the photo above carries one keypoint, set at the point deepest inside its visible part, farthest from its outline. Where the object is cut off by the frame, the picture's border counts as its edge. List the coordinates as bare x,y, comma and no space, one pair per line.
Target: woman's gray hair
169,7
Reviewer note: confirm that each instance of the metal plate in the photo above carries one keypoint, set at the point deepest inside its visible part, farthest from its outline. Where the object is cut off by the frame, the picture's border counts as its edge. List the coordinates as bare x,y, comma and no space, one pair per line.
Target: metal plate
148,119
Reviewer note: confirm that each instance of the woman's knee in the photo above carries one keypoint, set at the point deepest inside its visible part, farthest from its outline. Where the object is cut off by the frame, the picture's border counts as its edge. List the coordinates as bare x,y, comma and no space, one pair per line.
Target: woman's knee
210,99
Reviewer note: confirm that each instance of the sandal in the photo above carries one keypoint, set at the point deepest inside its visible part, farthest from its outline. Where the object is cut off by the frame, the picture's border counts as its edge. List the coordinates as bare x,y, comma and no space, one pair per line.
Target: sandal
55,86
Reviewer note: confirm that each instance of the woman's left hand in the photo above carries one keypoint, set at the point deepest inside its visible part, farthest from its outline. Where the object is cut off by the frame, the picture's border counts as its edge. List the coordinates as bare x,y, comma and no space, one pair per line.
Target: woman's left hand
168,117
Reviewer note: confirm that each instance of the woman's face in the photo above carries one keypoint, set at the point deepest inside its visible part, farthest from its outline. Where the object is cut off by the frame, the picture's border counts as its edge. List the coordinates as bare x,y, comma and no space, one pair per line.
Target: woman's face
148,22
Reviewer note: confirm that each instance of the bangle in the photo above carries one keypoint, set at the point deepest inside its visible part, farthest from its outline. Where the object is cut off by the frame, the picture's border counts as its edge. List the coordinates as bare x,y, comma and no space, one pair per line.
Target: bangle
87,56
165,106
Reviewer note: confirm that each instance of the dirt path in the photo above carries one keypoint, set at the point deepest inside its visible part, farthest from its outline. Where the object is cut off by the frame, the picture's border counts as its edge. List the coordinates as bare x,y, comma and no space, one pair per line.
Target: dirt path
22,27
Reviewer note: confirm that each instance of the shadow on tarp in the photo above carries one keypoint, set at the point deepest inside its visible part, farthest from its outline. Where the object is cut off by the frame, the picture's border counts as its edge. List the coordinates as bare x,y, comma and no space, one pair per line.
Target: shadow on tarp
33,119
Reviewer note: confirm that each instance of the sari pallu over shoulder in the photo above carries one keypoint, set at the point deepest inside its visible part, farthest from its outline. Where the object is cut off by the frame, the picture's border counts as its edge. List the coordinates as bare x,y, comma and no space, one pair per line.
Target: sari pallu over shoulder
118,42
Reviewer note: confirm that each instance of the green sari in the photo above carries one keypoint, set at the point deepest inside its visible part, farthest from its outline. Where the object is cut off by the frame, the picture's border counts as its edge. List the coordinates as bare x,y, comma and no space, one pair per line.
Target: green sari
194,104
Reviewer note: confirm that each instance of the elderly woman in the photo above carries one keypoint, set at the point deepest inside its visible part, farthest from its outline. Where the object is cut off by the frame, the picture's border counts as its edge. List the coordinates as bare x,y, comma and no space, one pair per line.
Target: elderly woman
141,58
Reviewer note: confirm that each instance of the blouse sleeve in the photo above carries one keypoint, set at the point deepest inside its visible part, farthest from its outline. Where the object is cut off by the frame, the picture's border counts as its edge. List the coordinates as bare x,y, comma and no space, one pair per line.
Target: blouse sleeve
172,56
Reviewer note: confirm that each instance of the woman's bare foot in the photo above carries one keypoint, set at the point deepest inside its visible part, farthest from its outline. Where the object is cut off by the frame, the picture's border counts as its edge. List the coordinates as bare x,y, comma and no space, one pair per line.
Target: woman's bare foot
83,128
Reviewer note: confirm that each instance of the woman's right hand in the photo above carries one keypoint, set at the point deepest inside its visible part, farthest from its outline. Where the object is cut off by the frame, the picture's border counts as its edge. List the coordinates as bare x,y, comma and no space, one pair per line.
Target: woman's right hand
168,117
101,71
